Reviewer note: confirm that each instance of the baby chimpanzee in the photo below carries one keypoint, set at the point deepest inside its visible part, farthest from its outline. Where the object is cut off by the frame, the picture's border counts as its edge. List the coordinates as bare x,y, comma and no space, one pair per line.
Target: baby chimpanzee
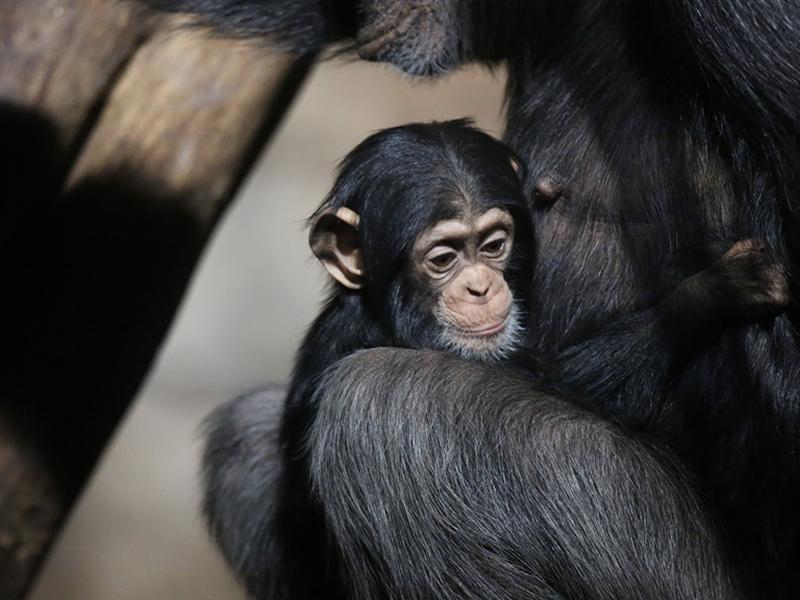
419,231
428,233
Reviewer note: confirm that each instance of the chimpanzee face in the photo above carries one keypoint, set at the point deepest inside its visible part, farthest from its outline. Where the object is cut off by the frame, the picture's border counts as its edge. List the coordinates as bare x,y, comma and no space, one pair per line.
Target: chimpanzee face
455,295
421,225
462,262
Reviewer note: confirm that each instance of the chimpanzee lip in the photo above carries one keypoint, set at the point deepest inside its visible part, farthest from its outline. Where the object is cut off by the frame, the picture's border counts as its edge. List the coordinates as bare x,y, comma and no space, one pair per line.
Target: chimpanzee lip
482,332
486,331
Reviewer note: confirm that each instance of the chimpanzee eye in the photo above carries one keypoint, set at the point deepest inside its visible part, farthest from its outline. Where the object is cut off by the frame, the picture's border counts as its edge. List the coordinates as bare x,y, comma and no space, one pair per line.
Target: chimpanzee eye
443,261
495,247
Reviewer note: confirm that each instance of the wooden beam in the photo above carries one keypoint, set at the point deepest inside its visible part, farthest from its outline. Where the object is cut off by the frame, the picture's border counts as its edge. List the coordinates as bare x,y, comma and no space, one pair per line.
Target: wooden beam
98,271
58,58
188,115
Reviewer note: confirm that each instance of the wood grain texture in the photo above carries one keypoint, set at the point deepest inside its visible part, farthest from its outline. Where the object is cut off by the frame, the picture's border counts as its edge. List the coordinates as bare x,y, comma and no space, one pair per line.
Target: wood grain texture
124,143
58,57
188,111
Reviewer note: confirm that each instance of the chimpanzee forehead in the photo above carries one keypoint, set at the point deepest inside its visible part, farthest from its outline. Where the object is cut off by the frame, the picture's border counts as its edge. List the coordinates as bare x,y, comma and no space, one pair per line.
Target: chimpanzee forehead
456,187
406,205
464,227
417,209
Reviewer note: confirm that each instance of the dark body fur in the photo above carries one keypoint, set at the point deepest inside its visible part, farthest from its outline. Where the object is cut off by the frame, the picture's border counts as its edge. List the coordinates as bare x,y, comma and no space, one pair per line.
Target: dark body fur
675,127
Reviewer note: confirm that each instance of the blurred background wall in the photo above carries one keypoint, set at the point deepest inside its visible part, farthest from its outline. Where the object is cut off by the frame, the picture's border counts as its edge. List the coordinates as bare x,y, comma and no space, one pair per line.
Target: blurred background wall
136,533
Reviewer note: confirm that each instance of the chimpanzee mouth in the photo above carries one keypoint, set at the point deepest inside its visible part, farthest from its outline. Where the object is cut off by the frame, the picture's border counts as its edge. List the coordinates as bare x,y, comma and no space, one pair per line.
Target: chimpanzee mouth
494,342
488,331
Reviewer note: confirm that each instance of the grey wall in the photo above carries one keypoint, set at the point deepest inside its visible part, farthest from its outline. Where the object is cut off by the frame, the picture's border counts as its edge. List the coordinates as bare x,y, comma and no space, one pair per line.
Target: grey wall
136,533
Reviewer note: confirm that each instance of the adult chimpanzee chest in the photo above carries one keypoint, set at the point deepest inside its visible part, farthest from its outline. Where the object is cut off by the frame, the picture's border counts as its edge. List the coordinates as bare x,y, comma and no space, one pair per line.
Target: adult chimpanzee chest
627,199
632,188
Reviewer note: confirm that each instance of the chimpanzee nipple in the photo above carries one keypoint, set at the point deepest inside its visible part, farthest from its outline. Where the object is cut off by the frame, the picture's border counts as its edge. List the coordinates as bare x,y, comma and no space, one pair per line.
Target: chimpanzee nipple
547,190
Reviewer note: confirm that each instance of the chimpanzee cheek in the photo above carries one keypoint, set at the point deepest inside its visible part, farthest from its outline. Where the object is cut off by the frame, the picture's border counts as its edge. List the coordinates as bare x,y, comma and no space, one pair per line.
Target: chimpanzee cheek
416,324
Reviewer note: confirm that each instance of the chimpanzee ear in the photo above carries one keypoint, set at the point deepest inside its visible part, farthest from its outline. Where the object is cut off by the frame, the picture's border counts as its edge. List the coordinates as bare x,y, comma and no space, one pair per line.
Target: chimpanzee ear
334,241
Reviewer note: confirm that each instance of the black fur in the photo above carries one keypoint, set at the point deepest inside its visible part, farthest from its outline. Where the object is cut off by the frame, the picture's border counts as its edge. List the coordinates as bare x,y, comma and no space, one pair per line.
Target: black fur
401,181
500,491
300,26
675,128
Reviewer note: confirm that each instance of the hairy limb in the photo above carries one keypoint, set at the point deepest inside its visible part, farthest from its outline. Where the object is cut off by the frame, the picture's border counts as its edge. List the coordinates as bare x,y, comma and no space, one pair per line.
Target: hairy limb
448,479
421,37
241,478
634,359
267,532
300,26
744,285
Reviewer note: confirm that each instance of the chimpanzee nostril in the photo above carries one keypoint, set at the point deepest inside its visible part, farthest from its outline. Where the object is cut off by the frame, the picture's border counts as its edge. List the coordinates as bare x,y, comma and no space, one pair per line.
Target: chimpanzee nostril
478,291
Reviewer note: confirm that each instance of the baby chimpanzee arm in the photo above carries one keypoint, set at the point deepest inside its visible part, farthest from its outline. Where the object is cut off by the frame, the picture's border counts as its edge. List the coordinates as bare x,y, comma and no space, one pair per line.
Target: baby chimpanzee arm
638,355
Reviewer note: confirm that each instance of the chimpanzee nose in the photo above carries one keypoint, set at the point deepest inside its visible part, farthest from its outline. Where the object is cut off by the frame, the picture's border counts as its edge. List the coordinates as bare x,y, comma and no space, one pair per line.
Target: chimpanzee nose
478,281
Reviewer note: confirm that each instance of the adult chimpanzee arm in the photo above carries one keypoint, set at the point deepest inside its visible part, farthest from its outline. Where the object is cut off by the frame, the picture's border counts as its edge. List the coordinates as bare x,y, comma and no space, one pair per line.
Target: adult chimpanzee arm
301,26
455,480
243,488
424,37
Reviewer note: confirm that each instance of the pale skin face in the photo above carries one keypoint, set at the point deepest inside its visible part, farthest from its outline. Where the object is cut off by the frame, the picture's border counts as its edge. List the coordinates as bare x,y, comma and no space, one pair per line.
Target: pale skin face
464,260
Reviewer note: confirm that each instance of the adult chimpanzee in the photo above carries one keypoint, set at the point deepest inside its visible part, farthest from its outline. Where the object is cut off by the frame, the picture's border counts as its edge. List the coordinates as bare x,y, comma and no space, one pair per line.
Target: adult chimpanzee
674,126
428,232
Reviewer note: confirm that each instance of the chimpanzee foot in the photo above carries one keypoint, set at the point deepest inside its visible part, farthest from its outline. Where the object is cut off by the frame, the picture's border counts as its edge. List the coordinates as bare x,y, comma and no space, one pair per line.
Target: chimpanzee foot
754,284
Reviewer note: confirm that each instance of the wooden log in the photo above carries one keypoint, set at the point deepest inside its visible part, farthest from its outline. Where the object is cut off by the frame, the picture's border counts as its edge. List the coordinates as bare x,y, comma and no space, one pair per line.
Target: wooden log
98,273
